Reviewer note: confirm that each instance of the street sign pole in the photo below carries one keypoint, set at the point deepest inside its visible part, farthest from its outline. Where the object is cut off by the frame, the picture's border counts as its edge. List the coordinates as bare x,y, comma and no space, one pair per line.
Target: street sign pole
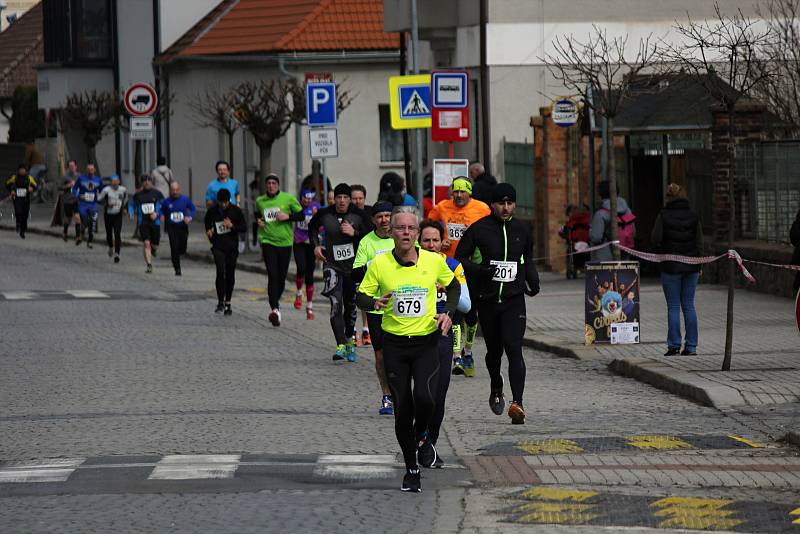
417,132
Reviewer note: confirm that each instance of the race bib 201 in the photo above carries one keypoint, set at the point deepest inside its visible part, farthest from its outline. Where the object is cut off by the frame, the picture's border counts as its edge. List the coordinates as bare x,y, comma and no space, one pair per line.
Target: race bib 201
504,271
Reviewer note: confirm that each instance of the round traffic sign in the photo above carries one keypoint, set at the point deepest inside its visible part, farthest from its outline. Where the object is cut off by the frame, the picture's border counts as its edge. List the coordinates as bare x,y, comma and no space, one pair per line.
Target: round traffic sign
140,100
797,309
565,112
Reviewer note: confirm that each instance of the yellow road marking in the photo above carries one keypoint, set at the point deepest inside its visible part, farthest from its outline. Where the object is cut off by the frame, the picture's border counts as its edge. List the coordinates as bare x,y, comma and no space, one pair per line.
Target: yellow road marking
555,512
796,511
549,446
695,513
657,442
746,441
558,494
260,290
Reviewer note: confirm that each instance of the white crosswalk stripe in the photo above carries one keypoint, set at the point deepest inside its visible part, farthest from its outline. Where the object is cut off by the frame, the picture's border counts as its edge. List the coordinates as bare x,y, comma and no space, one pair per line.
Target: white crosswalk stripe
87,294
57,470
356,466
19,295
195,466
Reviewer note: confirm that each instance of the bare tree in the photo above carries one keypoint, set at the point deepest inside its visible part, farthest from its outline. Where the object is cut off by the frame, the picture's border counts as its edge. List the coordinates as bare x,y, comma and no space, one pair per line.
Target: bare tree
214,108
607,66
93,113
780,85
723,55
269,107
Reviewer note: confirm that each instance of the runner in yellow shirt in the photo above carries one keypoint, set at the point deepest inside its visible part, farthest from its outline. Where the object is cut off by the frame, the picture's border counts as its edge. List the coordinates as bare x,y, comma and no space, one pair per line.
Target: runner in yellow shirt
403,283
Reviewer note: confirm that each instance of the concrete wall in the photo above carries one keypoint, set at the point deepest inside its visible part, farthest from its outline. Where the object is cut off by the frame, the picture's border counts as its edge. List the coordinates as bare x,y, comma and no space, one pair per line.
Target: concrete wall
195,150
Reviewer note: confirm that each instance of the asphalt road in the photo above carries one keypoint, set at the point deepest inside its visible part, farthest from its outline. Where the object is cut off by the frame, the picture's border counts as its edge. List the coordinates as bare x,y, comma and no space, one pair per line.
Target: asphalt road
127,405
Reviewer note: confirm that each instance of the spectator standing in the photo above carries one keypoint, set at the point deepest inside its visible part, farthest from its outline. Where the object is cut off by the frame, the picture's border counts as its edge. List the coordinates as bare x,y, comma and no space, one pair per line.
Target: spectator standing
162,176
677,230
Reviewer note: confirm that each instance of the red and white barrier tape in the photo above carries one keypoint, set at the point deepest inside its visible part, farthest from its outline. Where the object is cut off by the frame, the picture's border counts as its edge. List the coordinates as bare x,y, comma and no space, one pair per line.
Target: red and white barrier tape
690,260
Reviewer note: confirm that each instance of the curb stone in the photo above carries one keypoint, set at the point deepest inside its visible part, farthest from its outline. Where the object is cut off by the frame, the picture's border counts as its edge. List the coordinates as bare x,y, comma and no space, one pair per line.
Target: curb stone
678,381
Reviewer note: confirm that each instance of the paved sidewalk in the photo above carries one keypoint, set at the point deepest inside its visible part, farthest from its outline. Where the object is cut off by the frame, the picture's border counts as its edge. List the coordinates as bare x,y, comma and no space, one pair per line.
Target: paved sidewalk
765,367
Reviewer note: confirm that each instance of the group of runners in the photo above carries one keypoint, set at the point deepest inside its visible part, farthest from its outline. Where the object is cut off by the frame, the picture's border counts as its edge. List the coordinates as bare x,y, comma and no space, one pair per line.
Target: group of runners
424,285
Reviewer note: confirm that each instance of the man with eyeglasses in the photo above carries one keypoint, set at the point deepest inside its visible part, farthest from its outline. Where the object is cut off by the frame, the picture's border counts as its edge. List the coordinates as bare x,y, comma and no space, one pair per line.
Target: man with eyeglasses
403,284
499,283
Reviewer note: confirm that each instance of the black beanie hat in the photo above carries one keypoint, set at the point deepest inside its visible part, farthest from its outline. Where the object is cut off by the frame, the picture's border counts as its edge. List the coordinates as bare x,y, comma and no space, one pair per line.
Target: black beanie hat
382,206
223,195
341,189
504,191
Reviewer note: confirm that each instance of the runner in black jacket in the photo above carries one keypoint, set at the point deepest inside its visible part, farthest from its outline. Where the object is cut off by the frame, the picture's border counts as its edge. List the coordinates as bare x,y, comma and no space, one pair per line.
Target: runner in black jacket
506,273
224,222
344,226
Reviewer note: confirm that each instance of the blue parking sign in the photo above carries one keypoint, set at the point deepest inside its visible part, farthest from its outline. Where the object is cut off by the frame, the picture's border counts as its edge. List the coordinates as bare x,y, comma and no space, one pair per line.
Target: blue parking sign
415,101
321,104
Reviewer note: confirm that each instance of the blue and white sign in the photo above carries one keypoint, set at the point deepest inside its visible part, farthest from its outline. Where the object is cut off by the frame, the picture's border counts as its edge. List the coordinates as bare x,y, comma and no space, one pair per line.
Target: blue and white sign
449,89
565,113
415,101
321,104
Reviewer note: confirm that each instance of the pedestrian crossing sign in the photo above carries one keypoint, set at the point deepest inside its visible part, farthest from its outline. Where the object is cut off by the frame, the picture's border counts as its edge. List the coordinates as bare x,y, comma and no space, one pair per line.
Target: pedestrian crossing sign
410,101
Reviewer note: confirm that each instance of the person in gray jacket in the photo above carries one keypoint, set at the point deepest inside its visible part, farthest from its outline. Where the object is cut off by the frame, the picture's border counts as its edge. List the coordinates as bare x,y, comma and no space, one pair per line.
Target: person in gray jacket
601,222
162,176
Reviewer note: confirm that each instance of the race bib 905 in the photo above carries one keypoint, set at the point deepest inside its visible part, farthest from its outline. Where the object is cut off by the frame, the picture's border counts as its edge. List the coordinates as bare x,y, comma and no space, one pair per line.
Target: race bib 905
504,271
410,303
343,252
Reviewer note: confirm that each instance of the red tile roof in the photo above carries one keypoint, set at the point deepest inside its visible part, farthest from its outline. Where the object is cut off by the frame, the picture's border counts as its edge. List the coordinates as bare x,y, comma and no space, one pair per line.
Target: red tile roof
21,49
264,26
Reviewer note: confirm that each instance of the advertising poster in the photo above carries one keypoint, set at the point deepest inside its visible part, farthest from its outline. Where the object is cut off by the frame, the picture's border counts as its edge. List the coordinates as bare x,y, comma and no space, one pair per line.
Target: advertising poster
612,302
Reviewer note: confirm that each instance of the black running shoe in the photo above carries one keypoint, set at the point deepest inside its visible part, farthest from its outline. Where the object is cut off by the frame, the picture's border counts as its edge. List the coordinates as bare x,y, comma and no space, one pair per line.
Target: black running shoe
497,402
116,258
220,308
439,463
228,310
411,481
687,352
672,352
426,452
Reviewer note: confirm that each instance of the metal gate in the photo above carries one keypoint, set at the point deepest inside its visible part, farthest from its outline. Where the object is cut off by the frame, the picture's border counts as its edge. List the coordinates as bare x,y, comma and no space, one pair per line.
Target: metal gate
768,174
518,171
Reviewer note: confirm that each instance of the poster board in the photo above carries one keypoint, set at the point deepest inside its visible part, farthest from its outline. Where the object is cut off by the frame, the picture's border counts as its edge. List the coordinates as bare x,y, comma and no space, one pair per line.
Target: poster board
444,170
612,303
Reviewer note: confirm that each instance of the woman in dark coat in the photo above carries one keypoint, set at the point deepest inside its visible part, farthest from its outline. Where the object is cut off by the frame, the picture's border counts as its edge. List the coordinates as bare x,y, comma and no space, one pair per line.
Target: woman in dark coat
677,231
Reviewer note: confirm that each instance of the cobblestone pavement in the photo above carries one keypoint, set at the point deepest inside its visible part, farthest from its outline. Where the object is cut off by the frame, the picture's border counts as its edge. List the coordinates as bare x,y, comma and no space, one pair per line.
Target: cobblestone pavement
145,411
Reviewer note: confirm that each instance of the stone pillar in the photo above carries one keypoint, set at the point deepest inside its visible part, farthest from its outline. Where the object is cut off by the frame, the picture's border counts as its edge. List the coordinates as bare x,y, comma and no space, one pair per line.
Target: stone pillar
749,125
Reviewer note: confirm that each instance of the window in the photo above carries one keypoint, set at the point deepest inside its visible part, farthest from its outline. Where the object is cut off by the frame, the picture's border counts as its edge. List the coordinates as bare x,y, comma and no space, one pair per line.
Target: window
93,30
77,31
391,140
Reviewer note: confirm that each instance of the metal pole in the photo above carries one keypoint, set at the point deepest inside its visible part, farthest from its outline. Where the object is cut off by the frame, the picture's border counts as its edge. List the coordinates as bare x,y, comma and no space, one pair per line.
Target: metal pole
324,181
664,166
415,70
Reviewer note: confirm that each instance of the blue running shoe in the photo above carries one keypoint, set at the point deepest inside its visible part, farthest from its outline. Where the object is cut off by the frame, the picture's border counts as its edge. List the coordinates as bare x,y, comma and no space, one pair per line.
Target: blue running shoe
458,366
469,366
350,349
387,406
340,353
